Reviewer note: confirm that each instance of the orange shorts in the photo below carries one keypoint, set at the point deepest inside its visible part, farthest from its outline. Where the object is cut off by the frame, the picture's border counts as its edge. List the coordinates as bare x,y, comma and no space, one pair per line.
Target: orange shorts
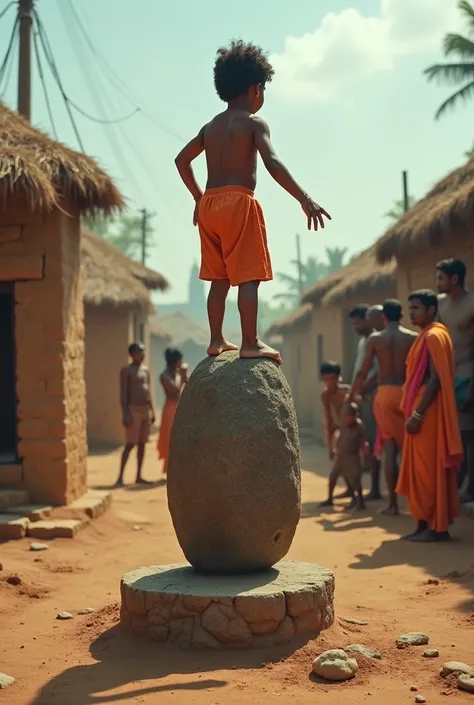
233,237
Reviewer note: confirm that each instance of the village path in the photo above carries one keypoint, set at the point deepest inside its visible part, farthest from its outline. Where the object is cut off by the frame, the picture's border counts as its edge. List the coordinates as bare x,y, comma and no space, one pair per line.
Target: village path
89,660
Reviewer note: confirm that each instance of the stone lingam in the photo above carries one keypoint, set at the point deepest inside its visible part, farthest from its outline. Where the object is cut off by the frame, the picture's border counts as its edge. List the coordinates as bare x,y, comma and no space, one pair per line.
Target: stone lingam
234,498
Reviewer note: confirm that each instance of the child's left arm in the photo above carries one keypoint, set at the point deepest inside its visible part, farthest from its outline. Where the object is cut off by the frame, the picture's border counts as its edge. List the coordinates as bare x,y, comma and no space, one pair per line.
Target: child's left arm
183,163
364,446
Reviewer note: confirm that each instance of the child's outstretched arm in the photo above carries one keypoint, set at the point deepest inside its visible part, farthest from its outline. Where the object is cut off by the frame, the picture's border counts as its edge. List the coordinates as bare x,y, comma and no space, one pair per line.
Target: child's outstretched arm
282,176
183,163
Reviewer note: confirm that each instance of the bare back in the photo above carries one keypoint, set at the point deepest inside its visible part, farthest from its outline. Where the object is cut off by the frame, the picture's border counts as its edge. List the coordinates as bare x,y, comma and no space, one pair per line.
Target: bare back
231,152
391,347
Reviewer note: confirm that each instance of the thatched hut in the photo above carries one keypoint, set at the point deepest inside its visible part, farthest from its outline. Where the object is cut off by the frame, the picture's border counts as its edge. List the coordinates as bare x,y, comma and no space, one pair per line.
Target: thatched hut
440,225
44,189
117,305
320,329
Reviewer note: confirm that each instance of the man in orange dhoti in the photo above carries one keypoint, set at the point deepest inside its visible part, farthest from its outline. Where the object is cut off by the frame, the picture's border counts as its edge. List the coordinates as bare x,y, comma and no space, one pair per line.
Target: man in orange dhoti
390,348
432,452
231,224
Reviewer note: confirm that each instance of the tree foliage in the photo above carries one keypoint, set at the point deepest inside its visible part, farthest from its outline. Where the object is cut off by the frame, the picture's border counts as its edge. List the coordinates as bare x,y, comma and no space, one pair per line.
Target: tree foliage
312,270
398,209
125,232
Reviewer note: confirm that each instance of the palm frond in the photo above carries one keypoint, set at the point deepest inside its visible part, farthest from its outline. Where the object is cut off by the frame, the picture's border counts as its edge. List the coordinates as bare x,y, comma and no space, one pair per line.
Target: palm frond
292,282
468,11
462,95
459,45
450,73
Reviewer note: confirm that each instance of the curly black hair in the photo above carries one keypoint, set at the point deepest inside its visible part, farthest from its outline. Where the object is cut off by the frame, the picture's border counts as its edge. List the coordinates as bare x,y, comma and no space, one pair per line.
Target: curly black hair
239,67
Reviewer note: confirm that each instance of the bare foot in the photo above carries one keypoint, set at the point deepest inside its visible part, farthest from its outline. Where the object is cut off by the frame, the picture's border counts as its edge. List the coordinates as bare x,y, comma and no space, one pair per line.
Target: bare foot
390,512
347,494
142,481
119,483
326,503
217,347
260,350
373,495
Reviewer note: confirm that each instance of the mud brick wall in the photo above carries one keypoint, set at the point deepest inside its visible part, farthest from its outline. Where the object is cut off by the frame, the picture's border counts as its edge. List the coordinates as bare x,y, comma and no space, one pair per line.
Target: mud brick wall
41,255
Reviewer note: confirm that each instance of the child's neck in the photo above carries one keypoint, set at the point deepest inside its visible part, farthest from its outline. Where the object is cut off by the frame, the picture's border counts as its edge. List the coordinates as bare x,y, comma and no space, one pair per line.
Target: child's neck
240,103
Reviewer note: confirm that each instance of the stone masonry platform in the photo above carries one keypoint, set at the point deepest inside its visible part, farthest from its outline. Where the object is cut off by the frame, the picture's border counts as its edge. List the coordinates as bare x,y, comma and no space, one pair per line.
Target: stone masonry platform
172,603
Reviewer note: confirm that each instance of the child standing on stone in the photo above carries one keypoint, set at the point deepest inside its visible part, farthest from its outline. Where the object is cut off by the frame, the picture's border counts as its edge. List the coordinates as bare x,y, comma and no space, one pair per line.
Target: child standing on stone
231,224
349,445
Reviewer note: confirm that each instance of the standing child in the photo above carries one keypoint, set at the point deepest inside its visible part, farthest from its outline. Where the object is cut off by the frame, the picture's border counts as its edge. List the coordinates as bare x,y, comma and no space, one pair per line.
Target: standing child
332,398
349,444
172,380
231,224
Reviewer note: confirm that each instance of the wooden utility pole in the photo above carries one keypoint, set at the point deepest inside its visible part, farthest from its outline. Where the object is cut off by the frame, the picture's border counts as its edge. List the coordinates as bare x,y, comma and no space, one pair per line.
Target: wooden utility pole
299,265
144,233
406,198
25,18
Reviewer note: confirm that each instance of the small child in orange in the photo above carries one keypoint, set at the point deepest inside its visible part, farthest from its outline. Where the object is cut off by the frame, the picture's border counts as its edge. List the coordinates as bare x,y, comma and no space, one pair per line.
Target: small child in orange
231,225
349,445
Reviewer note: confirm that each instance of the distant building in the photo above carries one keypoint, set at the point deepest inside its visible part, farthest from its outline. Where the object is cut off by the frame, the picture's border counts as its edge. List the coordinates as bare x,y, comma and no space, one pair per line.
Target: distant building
195,307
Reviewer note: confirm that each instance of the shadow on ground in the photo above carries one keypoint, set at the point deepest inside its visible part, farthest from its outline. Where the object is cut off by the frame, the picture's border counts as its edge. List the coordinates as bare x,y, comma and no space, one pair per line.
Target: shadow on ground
127,660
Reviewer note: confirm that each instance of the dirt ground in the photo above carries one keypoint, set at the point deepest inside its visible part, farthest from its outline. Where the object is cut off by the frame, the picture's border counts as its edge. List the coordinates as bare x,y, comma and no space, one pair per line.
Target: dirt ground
89,660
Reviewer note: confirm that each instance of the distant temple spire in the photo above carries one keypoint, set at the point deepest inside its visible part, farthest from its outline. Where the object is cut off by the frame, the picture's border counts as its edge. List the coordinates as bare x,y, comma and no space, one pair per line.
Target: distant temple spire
197,292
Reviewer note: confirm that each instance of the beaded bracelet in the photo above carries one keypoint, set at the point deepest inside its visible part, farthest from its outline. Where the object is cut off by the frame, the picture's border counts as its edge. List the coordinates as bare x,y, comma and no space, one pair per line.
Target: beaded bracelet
417,416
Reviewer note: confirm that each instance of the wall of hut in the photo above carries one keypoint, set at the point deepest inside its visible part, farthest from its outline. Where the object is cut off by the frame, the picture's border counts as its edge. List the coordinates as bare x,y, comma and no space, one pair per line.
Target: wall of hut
40,261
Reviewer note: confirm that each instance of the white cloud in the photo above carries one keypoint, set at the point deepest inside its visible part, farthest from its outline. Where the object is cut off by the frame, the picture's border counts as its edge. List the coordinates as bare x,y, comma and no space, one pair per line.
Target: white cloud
349,46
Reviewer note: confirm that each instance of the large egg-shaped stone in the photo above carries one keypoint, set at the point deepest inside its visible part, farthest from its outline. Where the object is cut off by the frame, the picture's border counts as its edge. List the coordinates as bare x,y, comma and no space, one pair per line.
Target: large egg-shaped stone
234,466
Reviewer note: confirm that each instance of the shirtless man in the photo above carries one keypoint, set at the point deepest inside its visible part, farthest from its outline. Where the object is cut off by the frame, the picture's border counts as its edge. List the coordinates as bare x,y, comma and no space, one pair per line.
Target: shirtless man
456,311
231,225
137,409
365,319
390,348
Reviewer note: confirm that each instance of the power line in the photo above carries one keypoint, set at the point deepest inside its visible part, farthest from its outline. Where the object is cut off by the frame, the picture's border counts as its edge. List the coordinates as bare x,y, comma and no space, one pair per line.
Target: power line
43,83
5,68
54,70
114,79
6,8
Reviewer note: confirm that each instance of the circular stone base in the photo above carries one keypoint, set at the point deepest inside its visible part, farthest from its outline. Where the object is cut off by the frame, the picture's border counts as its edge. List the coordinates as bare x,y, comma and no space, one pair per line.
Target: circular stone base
174,604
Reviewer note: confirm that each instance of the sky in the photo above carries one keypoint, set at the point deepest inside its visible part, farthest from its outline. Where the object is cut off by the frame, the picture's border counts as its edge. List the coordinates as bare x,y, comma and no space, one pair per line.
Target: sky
349,108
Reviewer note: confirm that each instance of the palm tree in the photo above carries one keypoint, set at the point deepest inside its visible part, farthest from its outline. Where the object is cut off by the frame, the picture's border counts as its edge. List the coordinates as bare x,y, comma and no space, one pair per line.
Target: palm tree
460,72
311,271
335,257
398,209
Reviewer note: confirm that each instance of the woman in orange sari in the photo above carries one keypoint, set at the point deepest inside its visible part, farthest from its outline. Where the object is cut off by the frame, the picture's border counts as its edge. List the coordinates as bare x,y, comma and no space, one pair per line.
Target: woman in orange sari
172,380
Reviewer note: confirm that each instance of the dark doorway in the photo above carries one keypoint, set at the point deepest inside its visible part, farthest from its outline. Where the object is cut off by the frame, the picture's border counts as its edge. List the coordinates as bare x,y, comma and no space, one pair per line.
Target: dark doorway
8,448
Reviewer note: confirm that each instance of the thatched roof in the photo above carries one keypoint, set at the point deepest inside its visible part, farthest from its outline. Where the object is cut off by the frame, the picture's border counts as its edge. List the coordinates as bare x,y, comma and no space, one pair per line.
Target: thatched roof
446,210
182,328
295,321
110,277
158,332
362,278
36,168
316,293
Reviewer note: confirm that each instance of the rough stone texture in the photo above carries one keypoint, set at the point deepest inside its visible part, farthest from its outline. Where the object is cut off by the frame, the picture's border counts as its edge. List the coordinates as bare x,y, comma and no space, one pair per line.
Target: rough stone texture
413,639
234,468
335,665
64,615
13,526
456,667
11,498
466,682
176,604
55,529
431,653
34,512
49,341
5,681
38,547
360,649
420,699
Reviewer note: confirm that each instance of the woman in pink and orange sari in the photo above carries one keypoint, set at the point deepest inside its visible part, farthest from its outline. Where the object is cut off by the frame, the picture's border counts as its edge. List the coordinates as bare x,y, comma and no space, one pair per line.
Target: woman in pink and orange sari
172,380
432,451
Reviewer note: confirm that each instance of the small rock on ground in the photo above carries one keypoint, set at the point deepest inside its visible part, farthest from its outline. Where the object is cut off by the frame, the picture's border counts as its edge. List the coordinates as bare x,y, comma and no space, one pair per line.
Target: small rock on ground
358,622
335,665
413,639
456,667
64,615
14,580
414,688
431,653
420,699
5,681
38,547
362,650
86,610
466,683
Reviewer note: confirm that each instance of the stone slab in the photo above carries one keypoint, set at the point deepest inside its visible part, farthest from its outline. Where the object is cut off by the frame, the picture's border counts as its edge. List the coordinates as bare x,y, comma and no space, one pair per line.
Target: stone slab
13,526
12,498
34,512
55,528
94,503
172,603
